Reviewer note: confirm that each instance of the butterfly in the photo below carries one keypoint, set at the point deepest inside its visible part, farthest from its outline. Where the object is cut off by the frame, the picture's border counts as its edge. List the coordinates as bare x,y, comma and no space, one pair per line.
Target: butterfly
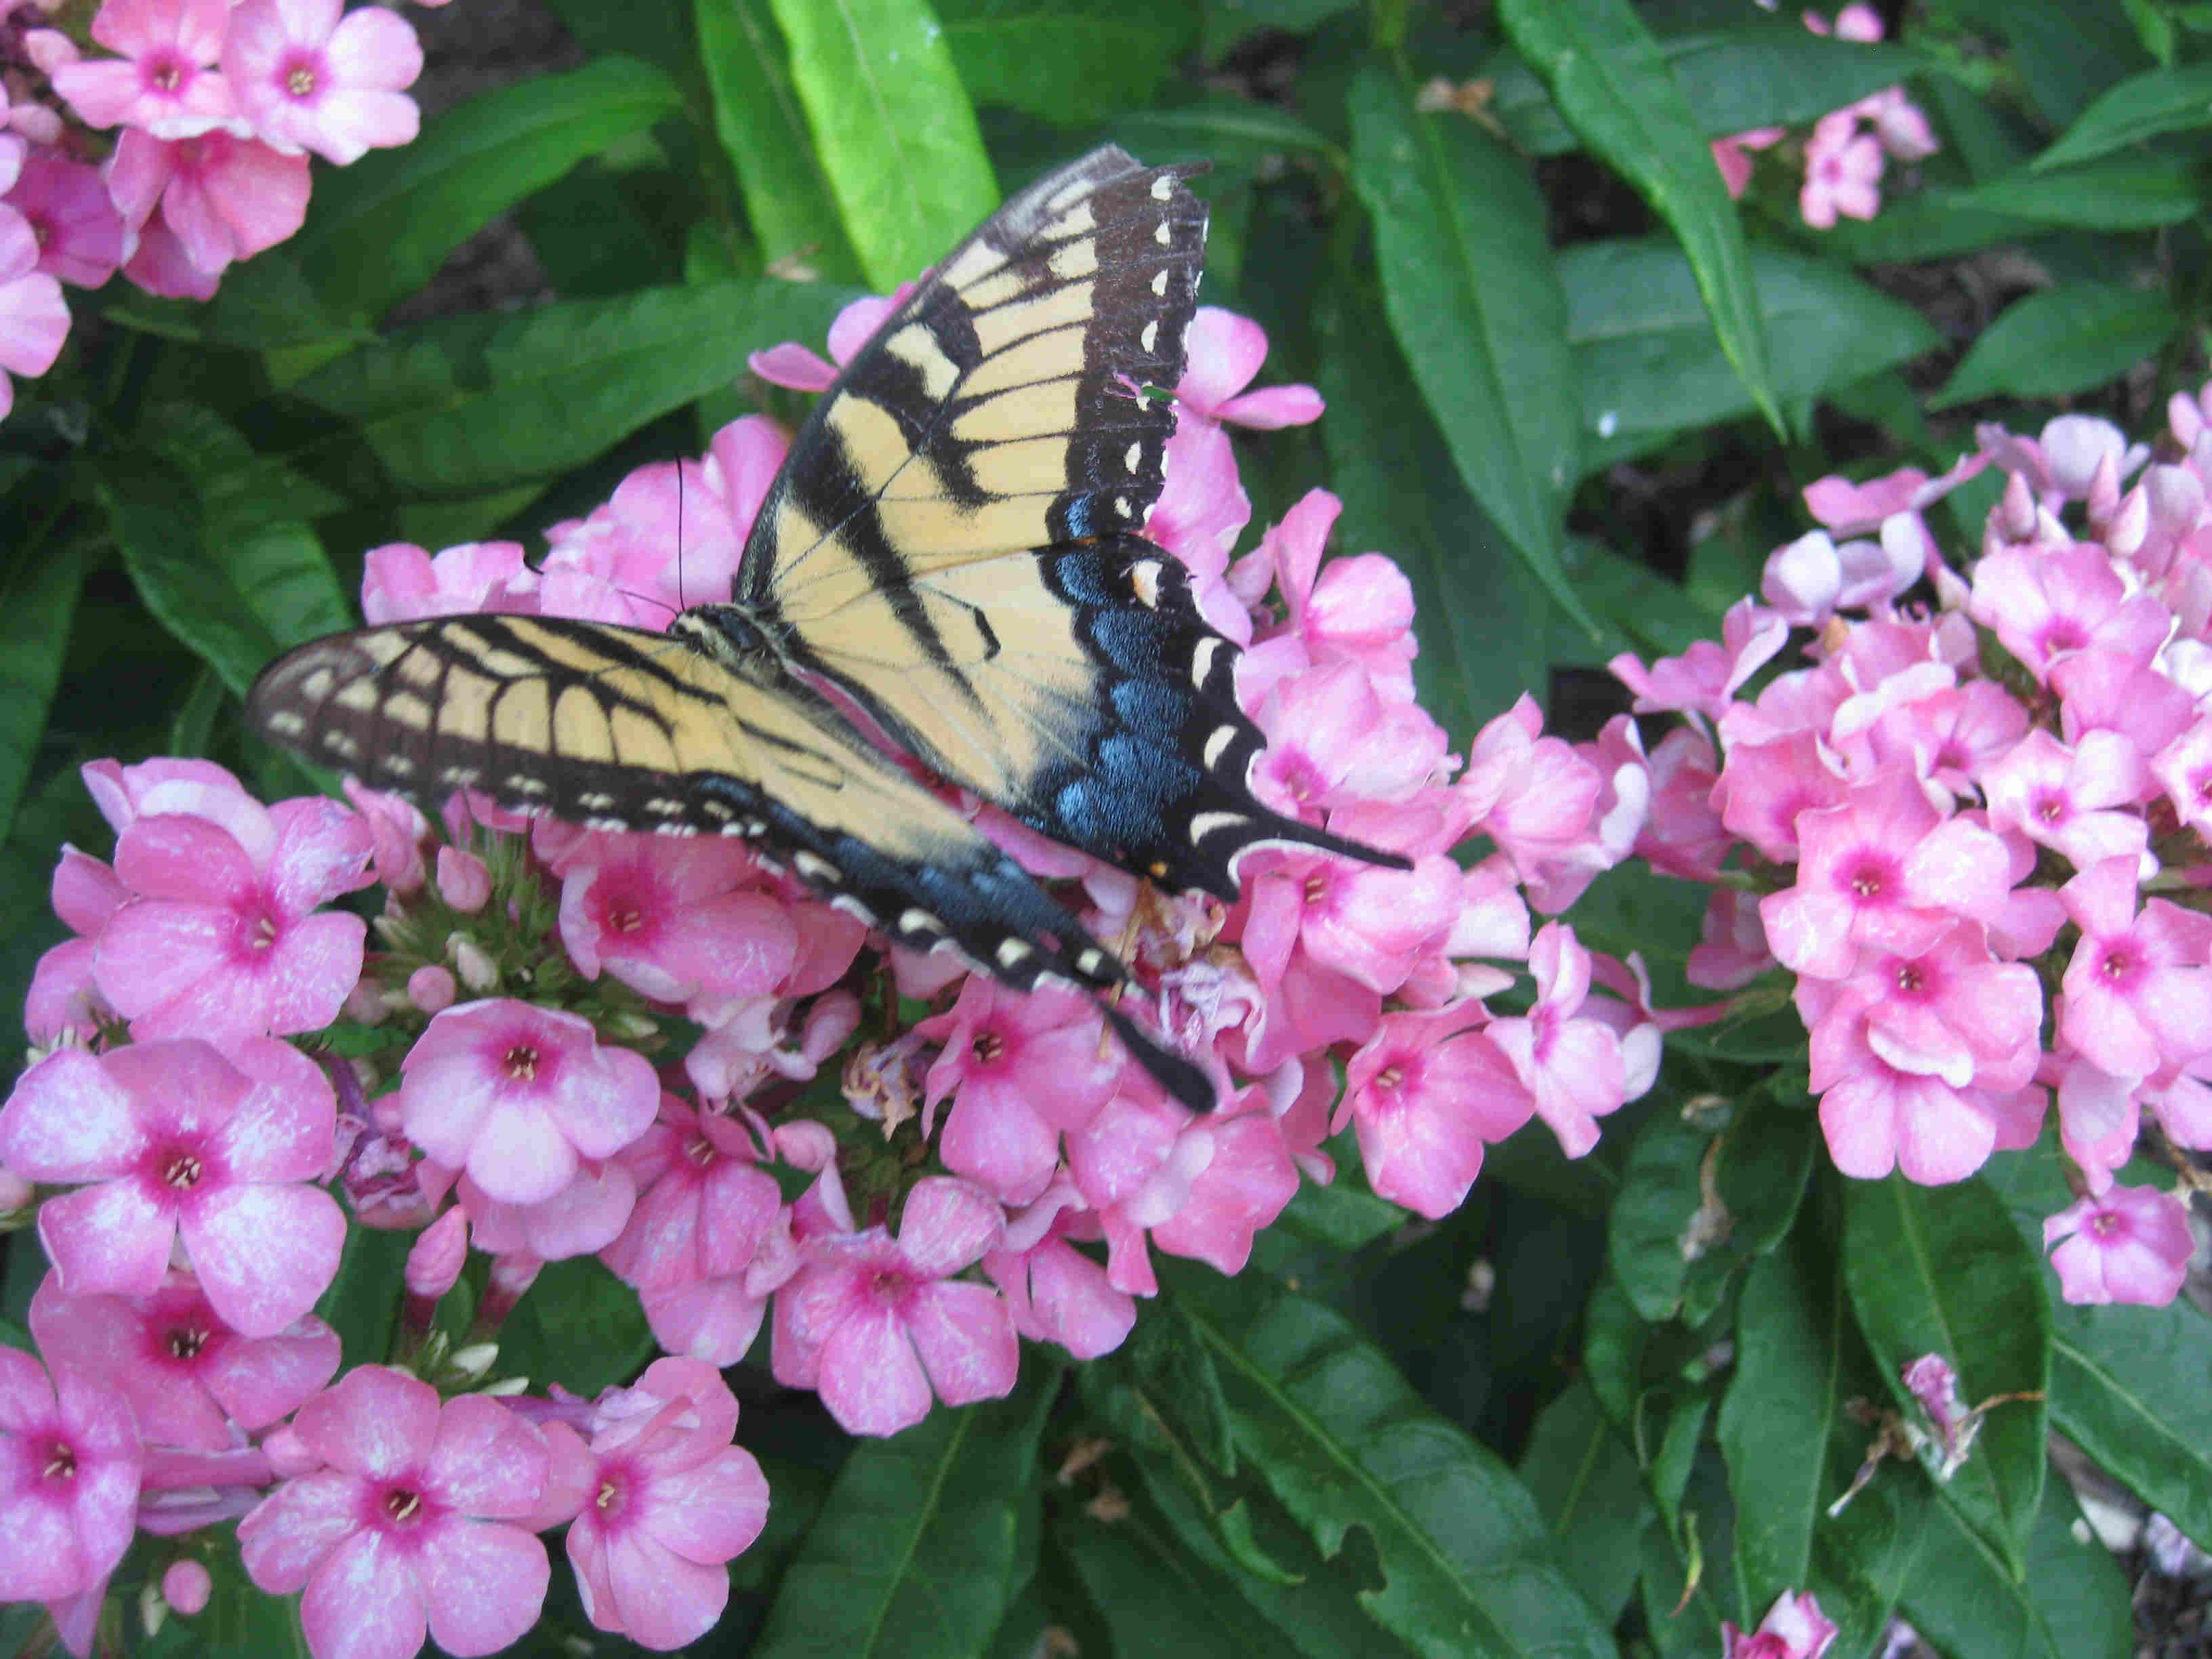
953,555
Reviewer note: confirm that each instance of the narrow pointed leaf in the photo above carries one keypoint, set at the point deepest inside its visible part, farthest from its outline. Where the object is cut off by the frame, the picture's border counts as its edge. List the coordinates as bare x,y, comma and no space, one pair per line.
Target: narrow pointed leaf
893,127
2123,192
38,601
1585,1480
2174,99
1066,61
2071,1603
2062,340
912,1552
1343,1443
2128,1386
1611,83
381,227
1474,300
763,130
1943,1270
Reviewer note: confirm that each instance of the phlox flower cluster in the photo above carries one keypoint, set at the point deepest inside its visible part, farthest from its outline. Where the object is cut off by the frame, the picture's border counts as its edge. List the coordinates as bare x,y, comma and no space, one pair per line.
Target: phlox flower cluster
1843,158
168,138
758,1117
1972,828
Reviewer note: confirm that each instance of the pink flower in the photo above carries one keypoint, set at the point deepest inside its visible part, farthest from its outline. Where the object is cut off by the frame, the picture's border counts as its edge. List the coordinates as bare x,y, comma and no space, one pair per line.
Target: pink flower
1843,173
1020,1069
177,1141
1225,351
1877,1118
877,1324
1054,1292
1243,1188
187,1375
2132,1244
1950,1011
518,1094
1732,155
798,368
1707,677
666,918
160,264
224,198
407,1526
186,1586
2138,993
223,940
400,581
80,234
669,1500
2077,801
2046,605
310,76
163,83
1572,1065
35,319
1202,510
69,1462
1427,1091
622,563
1334,741
1795,1627
1357,609
65,998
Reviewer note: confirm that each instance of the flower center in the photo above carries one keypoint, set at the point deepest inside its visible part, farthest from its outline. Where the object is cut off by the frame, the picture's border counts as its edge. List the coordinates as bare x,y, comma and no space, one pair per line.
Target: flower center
402,1505
699,1150
1910,980
301,82
2051,808
1390,1076
167,75
989,1047
183,1172
1316,888
61,1462
2117,965
1866,882
187,1342
521,1063
625,918
2104,1224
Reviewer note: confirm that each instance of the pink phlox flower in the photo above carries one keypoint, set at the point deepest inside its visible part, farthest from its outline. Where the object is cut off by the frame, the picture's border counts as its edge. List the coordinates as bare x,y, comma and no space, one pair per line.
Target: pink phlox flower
1732,155
1021,1069
397,831
1358,610
1877,1118
174,1139
1054,1292
1536,797
2044,606
1202,510
1767,787
1809,579
1794,1628
666,1500
2059,465
669,918
2183,770
581,1218
80,234
2105,692
1843,173
1333,741
516,1094
1847,508
1367,923
2099,1117
877,1324
35,319
1801,700
401,581
224,198
187,1375
186,1586
1205,998
741,462
662,541
1224,352
1703,678
2131,1244
1951,738
1883,872
1243,1186
1426,1092
2077,801
224,939
1572,1067
159,264
1134,1165
2137,994
408,1527
1899,122
70,1462
1732,950
1951,1010
1681,833
311,76
166,785
163,80
797,366
65,1002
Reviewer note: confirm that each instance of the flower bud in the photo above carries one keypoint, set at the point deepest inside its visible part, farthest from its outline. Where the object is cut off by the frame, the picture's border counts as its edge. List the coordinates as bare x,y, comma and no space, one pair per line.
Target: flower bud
477,970
185,1587
477,1357
435,1261
365,1004
431,989
464,881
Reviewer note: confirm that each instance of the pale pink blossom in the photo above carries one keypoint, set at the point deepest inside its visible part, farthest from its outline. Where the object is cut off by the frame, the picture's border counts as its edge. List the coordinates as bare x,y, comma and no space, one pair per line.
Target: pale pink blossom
1202,510
69,1469
1426,1092
79,233
163,82
877,1324
224,198
675,920
1054,1291
2138,994
309,75
160,266
1242,1189
401,582
64,996
1224,352
1877,1118
2079,802
1571,1064
2130,1244
35,319
407,1527
1704,678
172,1140
516,1094
2045,605
1135,1164
186,1586
1843,173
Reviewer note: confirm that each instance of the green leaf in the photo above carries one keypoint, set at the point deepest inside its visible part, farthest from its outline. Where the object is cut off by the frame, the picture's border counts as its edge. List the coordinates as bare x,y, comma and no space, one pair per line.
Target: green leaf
382,226
1649,364
2142,106
2129,192
1144,1585
2062,340
1480,615
2063,51
1791,1451
1223,128
362,1303
2127,1386
1611,82
1653,1224
1942,1270
2070,1603
1066,61
914,1551
1340,1216
38,601
894,131
579,1326
1586,1483
1342,1443
762,131
470,404
1468,283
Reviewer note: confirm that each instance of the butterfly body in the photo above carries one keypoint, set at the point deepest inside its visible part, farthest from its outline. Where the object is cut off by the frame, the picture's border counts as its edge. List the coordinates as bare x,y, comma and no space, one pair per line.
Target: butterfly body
950,556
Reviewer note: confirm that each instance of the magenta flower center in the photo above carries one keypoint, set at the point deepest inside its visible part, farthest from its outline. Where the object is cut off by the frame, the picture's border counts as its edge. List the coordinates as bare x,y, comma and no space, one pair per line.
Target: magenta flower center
60,1465
2051,808
1316,887
1390,1076
1866,882
700,1150
520,1063
1910,980
2063,634
2119,963
300,77
613,1496
625,918
887,1287
258,927
2104,1223
187,1341
403,1506
989,1047
183,1172
164,73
